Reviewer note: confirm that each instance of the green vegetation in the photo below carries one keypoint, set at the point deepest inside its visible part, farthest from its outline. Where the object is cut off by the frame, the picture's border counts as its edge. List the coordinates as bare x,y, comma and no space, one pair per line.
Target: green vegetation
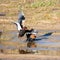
45,3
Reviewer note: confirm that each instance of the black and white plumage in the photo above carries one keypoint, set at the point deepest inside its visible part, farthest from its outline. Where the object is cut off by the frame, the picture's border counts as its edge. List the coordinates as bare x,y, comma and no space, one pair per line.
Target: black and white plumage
31,42
21,19
20,22
20,25
44,36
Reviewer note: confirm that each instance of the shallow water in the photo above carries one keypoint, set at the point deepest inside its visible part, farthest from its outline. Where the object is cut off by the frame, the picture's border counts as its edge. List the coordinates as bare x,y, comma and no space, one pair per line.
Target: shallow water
51,41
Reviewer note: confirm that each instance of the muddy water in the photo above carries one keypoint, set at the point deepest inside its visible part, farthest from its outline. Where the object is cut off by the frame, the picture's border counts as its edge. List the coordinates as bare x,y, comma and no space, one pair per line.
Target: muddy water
52,41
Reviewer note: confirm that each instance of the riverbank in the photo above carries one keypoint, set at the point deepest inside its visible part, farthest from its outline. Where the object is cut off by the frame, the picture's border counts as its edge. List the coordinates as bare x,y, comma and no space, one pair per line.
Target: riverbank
27,57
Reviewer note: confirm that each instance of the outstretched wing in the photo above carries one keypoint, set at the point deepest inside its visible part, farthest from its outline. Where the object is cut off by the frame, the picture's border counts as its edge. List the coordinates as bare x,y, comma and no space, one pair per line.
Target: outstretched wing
48,34
17,25
21,17
45,36
20,22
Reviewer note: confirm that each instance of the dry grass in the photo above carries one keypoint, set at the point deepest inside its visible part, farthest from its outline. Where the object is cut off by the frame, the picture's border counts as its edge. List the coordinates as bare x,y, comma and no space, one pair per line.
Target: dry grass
35,11
42,14
28,57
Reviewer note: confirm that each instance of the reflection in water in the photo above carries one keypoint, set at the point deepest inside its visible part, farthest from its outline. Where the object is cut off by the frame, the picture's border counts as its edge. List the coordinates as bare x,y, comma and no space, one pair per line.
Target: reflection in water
44,42
25,48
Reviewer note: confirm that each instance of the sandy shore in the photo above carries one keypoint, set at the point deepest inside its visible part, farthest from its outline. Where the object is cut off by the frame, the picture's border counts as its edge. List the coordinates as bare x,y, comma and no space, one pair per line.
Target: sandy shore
27,57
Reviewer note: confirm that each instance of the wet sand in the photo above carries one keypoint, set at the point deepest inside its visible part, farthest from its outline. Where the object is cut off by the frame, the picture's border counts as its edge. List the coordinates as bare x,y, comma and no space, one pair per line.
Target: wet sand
27,57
